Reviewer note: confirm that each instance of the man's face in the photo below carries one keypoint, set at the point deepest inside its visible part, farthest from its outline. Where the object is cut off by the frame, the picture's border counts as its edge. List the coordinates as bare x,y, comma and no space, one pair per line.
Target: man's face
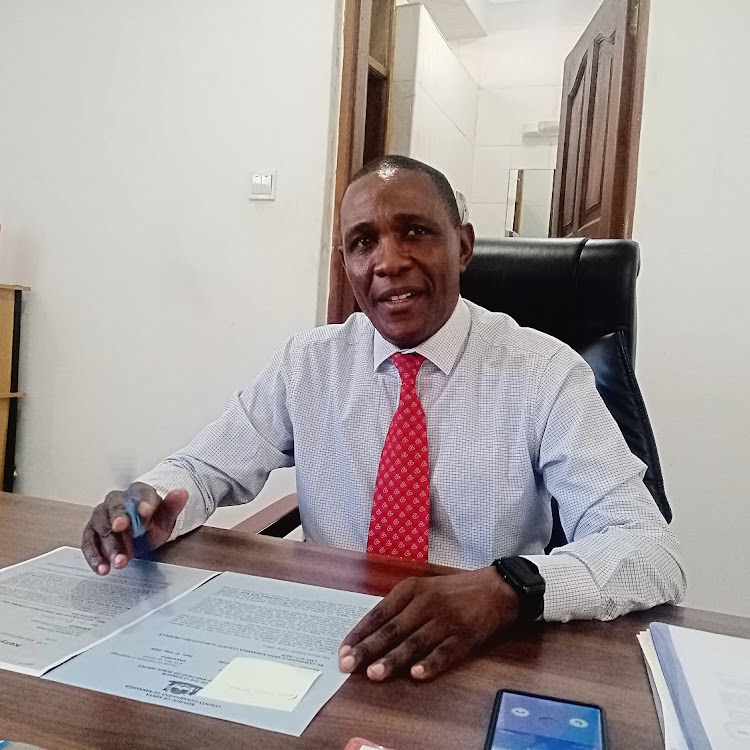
402,255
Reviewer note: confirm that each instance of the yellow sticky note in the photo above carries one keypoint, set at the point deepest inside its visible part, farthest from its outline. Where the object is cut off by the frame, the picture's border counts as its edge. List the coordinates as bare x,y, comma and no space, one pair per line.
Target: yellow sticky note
261,683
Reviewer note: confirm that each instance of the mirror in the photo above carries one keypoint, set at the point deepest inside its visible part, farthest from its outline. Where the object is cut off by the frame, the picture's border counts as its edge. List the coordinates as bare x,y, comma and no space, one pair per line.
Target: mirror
529,203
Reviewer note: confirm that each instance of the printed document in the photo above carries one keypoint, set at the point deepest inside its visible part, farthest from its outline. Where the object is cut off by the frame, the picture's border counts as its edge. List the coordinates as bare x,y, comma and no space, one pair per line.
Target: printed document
53,606
172,657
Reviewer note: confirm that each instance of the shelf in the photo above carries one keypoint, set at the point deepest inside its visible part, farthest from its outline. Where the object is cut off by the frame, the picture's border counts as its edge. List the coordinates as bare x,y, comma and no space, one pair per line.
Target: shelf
378,67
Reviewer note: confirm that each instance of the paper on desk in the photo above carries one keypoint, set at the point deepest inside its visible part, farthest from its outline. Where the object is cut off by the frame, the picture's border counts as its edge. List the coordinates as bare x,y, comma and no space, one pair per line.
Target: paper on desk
53,607
670,725
169,658
708,676
262,683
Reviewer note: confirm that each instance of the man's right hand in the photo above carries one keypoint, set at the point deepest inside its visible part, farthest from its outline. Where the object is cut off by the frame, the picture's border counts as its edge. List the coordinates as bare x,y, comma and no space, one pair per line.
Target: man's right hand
107,541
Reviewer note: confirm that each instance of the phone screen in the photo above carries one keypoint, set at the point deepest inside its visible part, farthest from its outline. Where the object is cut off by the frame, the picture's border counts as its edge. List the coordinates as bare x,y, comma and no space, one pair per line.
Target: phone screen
529,722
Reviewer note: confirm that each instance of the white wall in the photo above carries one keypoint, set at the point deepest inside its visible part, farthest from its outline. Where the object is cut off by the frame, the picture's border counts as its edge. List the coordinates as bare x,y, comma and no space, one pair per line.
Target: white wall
694,318
519,73
128,133
434,99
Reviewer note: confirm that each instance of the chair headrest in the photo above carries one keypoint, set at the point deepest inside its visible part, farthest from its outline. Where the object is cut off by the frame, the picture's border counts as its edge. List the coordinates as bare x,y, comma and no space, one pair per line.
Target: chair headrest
573,289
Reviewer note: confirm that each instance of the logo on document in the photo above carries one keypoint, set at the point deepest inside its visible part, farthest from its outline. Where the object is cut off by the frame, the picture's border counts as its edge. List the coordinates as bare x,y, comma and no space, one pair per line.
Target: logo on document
181,688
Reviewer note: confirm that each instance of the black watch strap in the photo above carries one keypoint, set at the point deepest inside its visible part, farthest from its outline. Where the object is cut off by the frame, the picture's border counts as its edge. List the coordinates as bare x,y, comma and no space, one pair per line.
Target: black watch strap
524,578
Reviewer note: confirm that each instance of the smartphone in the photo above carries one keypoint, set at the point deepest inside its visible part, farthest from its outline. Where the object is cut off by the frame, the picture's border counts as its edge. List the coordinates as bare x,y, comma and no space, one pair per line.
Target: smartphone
522,721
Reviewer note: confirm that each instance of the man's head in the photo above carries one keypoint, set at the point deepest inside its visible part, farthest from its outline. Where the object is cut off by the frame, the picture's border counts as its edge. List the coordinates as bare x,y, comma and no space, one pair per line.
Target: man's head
404,247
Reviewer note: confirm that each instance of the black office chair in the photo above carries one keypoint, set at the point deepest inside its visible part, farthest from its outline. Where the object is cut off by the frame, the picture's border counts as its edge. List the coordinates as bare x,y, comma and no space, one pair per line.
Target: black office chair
579,291
583,293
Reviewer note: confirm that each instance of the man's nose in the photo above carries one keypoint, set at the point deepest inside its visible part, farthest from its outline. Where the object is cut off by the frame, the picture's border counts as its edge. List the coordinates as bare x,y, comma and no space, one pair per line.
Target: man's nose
392,257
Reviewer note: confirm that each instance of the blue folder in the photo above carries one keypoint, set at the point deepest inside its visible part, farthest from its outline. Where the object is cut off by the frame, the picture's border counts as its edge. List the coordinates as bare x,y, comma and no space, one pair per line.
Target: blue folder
687,711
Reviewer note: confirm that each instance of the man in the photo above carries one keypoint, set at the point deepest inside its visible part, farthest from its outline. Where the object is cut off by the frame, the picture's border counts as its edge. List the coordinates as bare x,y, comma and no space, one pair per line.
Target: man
426,425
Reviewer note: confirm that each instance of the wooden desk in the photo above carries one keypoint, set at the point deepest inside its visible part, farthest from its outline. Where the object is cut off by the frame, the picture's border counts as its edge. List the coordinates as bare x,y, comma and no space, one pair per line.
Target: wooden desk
586,661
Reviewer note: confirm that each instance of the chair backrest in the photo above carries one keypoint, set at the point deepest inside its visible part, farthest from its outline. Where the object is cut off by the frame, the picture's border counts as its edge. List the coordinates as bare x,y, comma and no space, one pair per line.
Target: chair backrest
583,293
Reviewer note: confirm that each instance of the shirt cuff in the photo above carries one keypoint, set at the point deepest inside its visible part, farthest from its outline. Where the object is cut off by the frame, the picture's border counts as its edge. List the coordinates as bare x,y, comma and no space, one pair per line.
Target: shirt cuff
570,590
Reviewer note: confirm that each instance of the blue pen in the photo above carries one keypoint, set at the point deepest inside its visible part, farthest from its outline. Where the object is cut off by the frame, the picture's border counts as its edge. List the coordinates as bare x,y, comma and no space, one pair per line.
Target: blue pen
141,544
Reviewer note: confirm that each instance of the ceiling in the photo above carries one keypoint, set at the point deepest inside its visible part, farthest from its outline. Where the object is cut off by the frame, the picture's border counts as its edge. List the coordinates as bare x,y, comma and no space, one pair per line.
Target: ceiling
502,15
467,19
457,19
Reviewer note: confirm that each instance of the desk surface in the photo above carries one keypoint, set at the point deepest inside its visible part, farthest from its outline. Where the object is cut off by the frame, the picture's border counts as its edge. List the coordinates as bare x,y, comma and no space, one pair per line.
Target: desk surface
592,662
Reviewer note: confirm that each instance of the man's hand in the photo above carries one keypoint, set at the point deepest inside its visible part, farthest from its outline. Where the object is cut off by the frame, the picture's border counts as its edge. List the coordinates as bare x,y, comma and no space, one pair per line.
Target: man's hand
428,624
107,541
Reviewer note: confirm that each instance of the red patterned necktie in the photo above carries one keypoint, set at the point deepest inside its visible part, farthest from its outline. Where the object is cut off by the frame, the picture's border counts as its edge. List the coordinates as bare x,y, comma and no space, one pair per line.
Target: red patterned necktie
400,519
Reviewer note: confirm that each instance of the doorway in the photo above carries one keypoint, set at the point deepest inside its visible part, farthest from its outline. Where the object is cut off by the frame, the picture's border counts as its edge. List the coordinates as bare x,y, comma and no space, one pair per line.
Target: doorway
546,96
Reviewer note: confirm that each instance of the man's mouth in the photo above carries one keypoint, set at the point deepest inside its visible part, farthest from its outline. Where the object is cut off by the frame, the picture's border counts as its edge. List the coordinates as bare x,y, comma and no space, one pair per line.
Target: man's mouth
399,296
397,302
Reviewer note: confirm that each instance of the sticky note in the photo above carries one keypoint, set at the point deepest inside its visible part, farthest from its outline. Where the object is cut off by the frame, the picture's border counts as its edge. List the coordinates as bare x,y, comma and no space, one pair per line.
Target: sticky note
260,683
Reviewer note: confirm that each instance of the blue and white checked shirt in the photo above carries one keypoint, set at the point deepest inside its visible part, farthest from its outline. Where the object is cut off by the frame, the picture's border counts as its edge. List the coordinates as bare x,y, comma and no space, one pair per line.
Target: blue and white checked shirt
513,418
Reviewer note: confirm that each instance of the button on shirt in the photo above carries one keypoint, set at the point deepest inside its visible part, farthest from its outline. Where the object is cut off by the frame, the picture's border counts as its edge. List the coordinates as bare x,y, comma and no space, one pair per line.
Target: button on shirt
513,419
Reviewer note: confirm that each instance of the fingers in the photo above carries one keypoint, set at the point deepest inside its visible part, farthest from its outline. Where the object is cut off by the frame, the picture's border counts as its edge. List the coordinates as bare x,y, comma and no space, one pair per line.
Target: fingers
103,543
428,624
116,517
91,551
380,614
443,656
162,520
107,539
158,515
170,508
408,652
383,640
427,652
148,500
103,547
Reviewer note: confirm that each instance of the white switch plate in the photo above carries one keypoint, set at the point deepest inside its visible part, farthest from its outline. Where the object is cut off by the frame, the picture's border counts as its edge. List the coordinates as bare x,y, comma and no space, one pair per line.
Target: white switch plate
263,185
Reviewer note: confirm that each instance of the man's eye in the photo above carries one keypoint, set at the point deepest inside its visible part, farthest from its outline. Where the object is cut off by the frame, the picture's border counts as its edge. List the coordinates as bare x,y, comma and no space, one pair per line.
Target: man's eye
362,242
416,231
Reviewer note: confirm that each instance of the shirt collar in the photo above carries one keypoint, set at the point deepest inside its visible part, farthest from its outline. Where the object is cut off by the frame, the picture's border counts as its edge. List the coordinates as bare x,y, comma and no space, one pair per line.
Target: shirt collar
442,348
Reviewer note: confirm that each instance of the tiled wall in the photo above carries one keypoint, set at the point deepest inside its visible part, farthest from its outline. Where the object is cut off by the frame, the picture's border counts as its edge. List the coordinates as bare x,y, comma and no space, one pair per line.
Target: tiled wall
519,73
434,99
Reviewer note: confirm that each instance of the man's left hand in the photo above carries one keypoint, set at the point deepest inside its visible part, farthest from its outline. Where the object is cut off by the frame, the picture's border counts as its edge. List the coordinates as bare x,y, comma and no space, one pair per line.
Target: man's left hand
428,624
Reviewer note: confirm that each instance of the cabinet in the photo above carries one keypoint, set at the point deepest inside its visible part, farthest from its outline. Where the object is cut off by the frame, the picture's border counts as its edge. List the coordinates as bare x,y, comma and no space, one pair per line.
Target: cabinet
10,340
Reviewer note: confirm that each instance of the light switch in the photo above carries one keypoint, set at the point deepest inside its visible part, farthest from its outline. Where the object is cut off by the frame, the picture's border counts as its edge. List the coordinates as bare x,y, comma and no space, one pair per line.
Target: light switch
263,186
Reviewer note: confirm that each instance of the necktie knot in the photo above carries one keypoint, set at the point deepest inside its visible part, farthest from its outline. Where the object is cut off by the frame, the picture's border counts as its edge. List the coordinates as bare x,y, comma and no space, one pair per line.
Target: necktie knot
408,366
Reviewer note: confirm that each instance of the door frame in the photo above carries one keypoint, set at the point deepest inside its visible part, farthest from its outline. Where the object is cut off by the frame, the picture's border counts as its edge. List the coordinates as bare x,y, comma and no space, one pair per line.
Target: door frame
638,29
351,140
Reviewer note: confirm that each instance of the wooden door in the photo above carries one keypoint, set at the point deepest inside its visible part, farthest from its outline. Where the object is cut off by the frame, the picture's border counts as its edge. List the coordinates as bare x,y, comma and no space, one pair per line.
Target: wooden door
600,124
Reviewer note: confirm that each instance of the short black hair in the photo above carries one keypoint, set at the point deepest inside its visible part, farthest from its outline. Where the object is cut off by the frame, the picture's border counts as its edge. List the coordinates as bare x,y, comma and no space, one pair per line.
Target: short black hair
396,161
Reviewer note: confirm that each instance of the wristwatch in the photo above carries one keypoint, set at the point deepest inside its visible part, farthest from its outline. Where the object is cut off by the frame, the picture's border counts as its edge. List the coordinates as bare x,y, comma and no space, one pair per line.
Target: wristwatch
524,578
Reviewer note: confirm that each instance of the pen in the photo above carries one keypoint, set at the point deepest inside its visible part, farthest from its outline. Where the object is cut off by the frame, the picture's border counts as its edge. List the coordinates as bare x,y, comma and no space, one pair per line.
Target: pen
141,544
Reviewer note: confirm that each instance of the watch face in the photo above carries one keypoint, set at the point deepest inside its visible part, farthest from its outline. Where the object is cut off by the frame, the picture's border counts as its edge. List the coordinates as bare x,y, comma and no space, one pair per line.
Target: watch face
522,572
523,576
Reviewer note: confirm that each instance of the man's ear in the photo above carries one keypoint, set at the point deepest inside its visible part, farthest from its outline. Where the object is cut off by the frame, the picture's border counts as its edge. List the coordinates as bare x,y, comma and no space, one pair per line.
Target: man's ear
343,257
466,237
